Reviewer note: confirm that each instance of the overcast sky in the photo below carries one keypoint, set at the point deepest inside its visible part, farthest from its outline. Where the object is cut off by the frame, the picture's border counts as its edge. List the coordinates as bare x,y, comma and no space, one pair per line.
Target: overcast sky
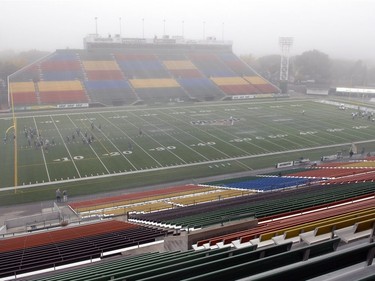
340,28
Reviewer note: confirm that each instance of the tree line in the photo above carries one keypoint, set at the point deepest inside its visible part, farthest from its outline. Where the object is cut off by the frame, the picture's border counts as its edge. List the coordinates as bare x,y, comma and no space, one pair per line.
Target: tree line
316,67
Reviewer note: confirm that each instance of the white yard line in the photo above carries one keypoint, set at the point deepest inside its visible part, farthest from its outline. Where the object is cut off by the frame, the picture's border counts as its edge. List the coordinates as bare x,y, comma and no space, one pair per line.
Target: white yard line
178,166
261,124
127,109
41,148
63,141
162,145
118,150
123,132
172,137
240,163
206,132
105,167
277,130
93,150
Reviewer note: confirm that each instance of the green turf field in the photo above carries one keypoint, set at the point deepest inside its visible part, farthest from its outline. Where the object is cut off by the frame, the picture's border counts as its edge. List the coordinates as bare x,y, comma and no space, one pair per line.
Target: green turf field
137,146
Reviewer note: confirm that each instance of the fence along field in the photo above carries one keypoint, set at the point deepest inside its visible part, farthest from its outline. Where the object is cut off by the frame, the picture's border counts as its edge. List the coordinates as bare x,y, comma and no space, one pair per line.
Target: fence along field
82,145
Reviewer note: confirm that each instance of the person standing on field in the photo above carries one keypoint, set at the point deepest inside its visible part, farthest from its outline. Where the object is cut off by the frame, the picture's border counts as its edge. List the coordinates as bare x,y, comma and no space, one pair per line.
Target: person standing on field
65,196
58,195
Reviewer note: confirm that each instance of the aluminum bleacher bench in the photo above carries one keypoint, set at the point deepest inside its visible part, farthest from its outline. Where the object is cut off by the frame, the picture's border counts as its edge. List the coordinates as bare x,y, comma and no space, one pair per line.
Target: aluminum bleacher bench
228,270
361,255
358,231
325,232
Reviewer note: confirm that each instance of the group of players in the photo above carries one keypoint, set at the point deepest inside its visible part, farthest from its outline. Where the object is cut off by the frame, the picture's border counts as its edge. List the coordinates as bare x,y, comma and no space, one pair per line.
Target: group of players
35,138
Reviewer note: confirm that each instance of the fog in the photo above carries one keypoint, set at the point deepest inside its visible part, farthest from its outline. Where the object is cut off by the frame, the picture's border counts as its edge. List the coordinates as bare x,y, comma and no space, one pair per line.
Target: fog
340,28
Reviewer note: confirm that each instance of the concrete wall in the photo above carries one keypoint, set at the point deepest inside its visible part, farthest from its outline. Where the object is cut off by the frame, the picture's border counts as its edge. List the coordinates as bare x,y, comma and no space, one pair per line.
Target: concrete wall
224,229
34,219
185,240
3,229
145,249
177,242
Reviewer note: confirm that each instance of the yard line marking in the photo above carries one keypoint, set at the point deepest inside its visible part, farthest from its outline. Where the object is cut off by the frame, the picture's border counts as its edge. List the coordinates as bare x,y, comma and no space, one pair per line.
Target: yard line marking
166,133
182,166
122,131
216,137
93,150
70,155
274,129
111,109
159,143
251,143
226,155
118,150
97,156
41,148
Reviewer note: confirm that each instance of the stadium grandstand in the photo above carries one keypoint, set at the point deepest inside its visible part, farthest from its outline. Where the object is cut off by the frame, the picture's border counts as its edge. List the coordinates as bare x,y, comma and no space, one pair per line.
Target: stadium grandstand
300,220
311,230
124,71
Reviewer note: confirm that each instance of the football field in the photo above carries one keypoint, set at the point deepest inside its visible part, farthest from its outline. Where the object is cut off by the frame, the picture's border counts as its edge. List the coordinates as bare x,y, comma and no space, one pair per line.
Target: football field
209,138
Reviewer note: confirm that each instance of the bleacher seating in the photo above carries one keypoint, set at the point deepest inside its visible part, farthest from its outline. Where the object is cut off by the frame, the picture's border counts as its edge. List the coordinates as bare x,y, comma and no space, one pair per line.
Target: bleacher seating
212,213
201,88
142,66
192,74
65,64
23,93
277,216
210,65
126,199
236,65
360,177
234,85
329,173
30,73
70,245
61,92
361,255
102,70
155,201
223,264
61,67
287,227
269,183
262,85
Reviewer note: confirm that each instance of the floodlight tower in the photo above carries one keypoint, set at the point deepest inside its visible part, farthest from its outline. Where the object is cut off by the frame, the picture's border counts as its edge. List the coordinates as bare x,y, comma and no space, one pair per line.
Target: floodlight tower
96,26
285,43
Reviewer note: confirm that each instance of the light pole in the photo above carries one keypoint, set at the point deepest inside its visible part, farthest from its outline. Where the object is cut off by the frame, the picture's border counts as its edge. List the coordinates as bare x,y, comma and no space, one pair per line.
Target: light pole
183,22
163,27
96,26
222,31
285,43
120,26
204,30
143,28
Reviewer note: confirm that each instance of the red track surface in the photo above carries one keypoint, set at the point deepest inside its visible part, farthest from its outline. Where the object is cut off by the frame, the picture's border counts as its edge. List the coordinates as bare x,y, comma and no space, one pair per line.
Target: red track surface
132,196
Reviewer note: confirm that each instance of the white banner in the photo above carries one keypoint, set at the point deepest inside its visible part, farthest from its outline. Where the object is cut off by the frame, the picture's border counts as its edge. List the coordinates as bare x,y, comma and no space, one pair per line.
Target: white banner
284,164
329,157
242,97
73,105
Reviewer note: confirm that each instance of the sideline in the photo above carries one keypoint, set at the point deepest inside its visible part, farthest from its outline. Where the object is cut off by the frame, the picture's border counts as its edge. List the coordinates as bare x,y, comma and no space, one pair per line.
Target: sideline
182,166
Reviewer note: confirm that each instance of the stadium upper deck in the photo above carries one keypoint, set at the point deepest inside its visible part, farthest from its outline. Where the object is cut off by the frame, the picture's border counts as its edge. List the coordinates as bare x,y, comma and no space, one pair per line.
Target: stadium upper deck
124,71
